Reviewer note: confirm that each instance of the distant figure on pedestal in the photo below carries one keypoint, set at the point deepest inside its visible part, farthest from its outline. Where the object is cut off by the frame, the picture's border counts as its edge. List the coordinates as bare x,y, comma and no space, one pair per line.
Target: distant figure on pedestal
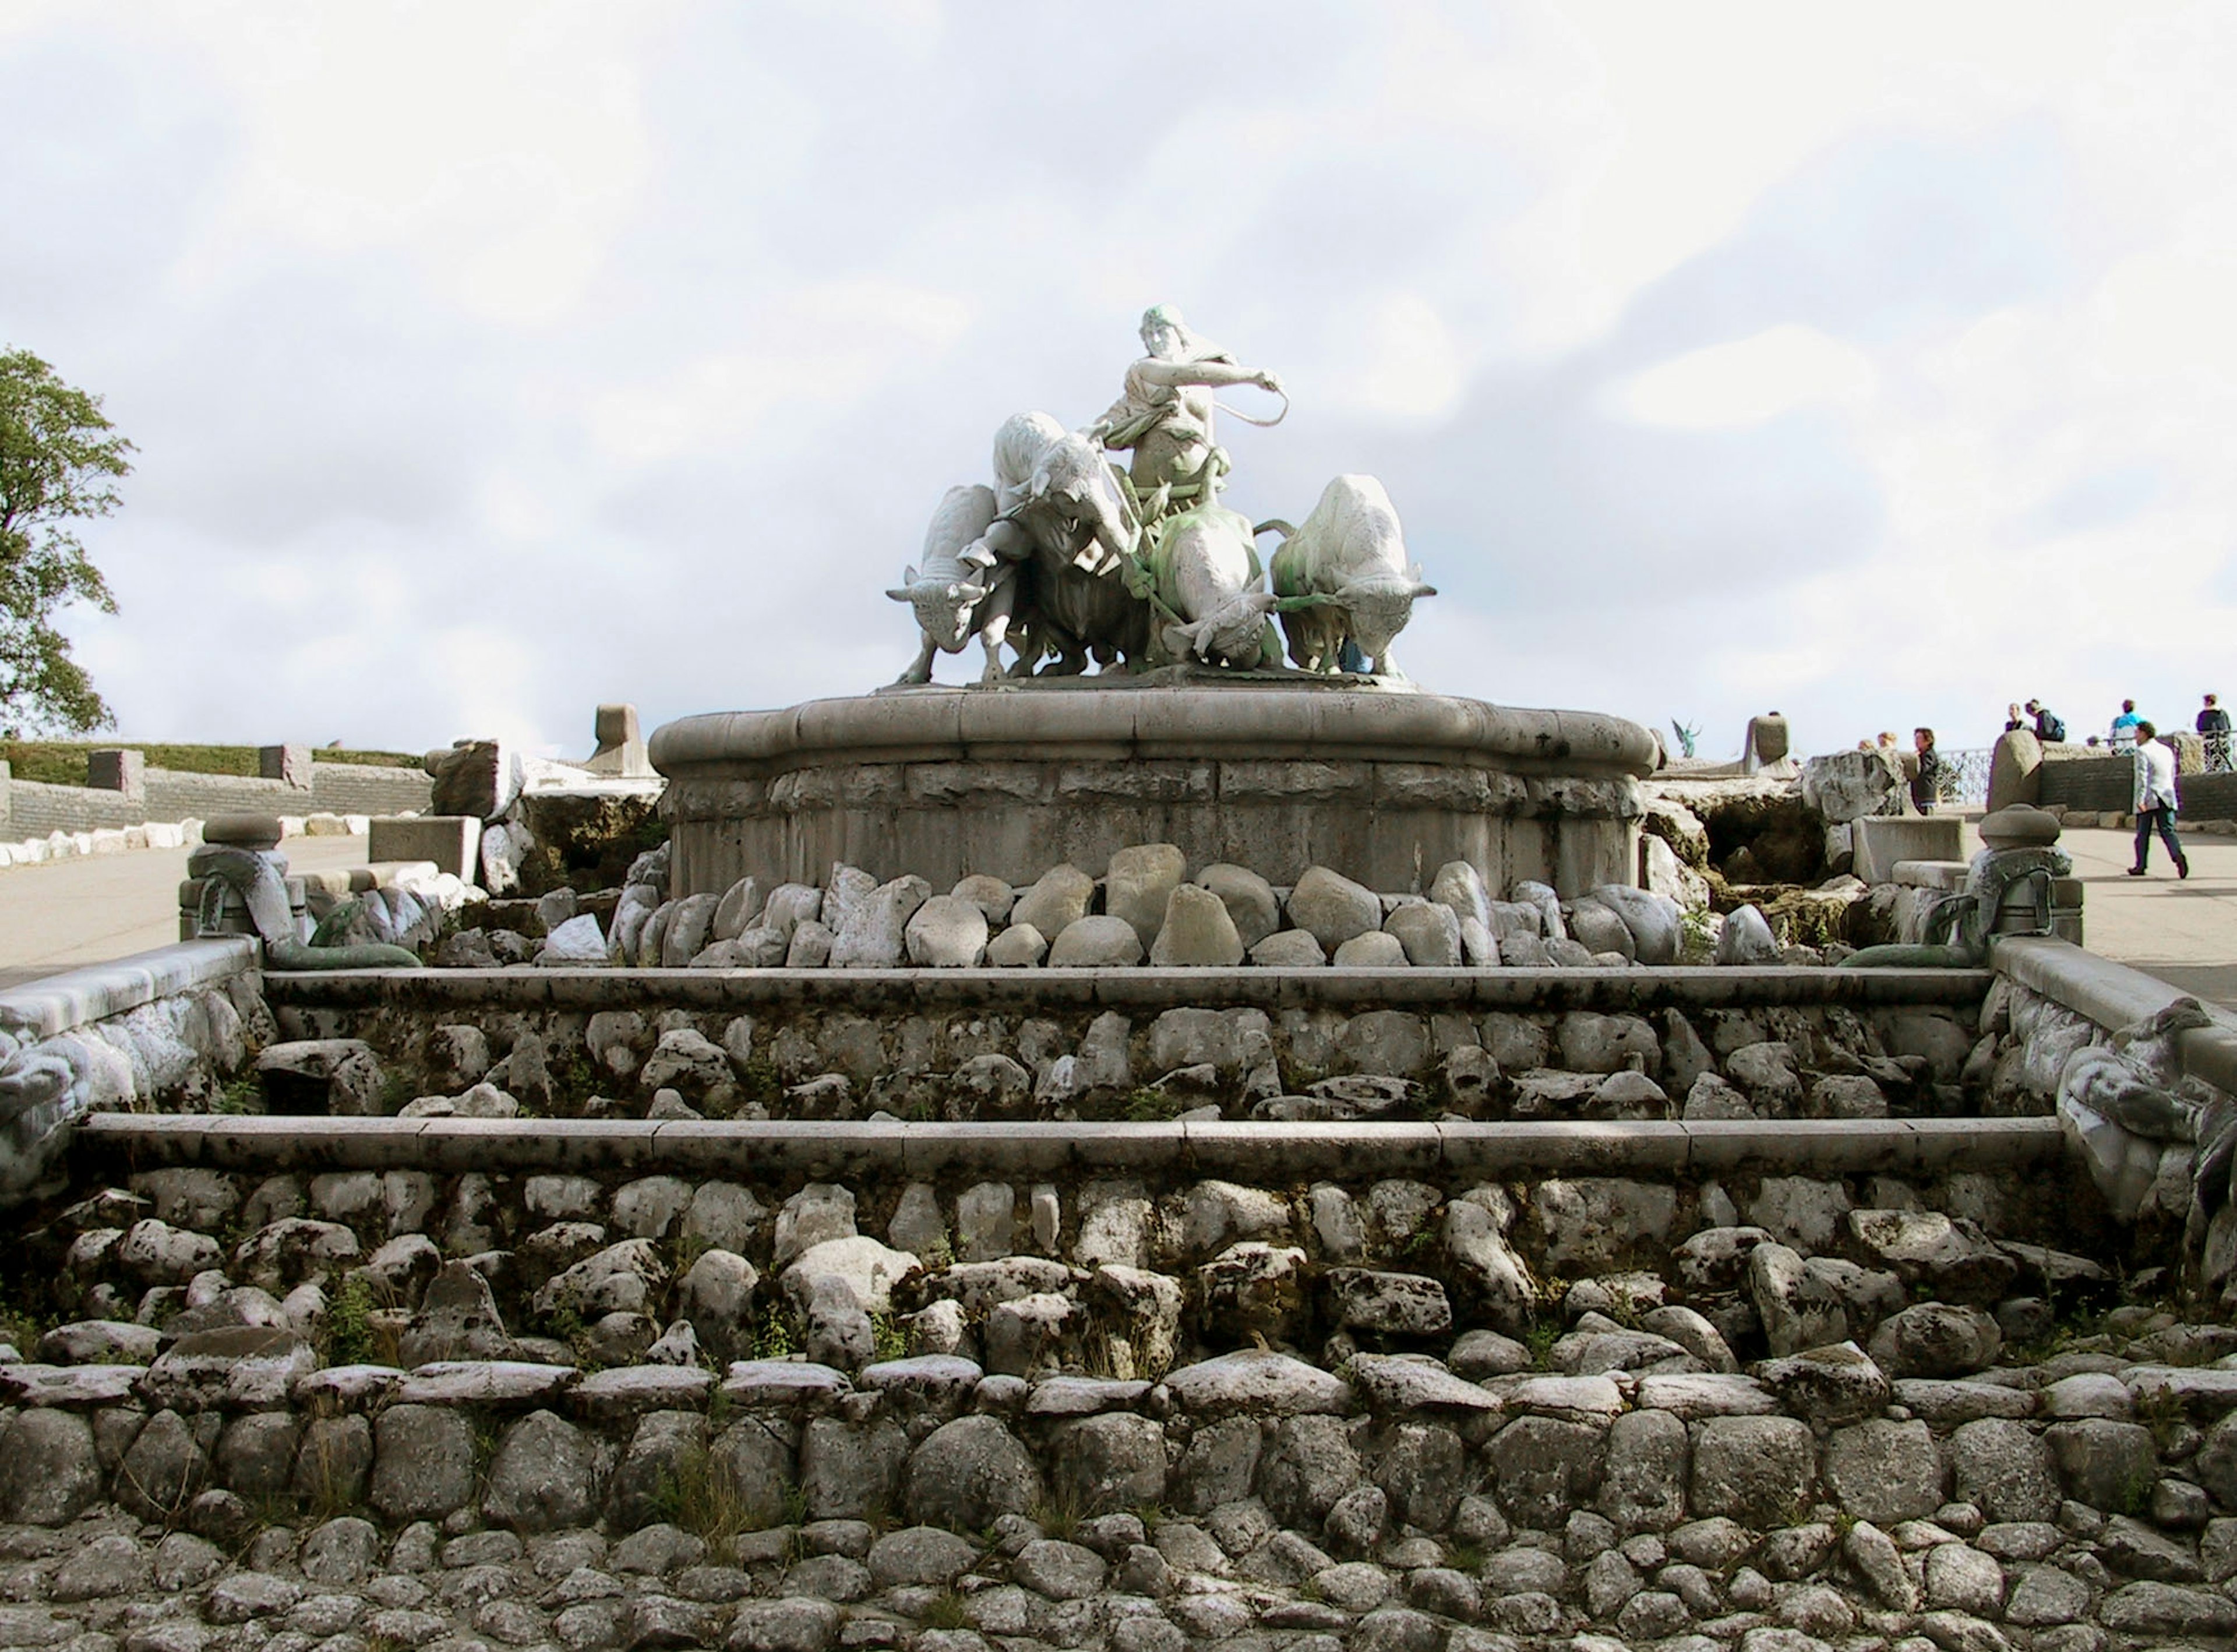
1164,414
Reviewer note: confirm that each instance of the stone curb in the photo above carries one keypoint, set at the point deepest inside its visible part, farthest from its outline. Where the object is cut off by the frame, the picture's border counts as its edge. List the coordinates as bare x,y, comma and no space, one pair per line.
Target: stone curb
1268,1153
956,724
45,1008
1146,990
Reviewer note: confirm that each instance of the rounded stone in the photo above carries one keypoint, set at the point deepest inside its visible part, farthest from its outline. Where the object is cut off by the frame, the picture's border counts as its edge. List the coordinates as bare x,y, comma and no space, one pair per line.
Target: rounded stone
1095,943
948,933
1248,898
1289,949
1140,880
1332,908
1196,930
1374,950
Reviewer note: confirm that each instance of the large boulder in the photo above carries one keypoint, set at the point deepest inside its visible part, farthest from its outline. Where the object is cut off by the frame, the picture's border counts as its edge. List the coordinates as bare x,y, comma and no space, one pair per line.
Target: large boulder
1138,883
1197,929
1332,908
1058,899
875,933
947,932
1850,785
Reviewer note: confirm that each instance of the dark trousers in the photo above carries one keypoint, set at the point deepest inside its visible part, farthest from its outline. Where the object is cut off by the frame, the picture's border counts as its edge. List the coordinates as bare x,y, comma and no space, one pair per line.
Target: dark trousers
2161,820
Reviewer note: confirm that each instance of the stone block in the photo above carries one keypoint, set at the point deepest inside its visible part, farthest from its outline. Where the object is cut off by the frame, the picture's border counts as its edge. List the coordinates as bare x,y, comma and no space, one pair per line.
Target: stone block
451,841
119,770
620,743
289,764
1880,841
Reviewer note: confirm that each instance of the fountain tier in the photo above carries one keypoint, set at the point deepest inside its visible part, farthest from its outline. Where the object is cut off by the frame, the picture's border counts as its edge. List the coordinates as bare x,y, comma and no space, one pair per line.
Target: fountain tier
1382,786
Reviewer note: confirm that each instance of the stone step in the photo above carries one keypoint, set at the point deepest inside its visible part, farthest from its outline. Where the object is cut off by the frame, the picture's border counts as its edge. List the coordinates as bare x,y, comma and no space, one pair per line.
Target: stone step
1272,1155
1142,988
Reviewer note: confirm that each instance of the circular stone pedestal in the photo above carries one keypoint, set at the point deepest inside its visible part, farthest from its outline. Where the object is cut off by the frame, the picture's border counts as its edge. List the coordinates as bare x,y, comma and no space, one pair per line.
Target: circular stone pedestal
1384,787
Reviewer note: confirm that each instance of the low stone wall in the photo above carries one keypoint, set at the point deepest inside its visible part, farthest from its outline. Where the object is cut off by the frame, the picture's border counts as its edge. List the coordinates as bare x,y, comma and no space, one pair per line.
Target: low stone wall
1738,1379
30,809
1271,1045
371,1402
166,1027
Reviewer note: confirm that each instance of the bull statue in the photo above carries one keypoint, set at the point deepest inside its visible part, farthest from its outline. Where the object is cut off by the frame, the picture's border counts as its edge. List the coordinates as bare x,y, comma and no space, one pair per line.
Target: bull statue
1342,575
1201,571
1064,527
955,602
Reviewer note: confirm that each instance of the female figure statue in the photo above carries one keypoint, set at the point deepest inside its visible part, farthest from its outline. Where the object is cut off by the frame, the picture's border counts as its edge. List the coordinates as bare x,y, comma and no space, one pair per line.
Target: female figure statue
1165,414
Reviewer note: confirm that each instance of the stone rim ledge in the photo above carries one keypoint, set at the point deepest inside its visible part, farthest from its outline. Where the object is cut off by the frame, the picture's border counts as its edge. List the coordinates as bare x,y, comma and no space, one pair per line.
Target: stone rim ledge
1270,1154
44,1009
1145,989
1199,720
2113,995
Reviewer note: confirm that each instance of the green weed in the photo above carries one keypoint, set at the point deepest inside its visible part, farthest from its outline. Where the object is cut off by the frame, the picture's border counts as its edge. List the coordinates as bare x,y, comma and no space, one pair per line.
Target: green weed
702,1499
1153,1107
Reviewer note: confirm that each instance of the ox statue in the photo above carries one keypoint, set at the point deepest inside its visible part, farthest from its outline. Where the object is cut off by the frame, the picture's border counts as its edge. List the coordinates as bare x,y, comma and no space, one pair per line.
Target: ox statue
1342,575
1202,571
954,602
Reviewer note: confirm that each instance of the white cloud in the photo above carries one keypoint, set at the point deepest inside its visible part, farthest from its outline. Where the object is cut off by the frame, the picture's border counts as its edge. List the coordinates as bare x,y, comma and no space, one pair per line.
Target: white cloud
506,359
1747,382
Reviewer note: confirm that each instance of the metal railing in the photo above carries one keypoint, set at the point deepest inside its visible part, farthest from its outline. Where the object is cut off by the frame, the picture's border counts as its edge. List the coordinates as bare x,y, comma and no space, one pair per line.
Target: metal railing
1965,777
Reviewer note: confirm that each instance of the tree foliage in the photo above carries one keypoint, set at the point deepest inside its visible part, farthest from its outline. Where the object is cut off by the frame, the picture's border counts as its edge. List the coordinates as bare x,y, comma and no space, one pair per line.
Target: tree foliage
60,462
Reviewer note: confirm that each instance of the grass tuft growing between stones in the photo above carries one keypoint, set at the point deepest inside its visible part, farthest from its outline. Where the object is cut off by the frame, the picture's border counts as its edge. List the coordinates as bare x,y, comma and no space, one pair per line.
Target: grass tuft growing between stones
703,1500
945,1611
1058,1515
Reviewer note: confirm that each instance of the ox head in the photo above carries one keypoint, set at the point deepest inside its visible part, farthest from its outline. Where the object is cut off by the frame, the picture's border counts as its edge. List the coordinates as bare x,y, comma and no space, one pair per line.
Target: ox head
1375,608
1233,634
944,607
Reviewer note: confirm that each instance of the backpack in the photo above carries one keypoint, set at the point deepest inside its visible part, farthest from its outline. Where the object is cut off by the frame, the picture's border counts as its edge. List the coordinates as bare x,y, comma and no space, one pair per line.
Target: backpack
2053,728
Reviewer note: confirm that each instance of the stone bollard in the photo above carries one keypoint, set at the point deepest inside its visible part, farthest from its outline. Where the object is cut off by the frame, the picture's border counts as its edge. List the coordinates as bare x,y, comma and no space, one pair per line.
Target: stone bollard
1766,742
2014,771
289,764
119,770
621,746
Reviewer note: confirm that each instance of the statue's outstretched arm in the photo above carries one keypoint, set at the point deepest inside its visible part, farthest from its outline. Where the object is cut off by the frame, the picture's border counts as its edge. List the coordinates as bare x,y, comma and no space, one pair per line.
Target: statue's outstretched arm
1215,374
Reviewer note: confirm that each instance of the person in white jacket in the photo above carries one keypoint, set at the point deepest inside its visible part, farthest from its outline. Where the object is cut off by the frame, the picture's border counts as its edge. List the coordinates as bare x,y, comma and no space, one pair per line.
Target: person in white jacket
2155,801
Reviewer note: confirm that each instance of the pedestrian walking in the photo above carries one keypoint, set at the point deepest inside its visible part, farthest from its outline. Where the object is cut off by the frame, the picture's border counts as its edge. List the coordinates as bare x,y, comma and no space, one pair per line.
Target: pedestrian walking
2155,801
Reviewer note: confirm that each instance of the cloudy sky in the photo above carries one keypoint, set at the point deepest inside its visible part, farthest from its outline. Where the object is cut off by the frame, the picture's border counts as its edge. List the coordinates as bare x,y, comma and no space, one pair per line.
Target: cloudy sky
1875,363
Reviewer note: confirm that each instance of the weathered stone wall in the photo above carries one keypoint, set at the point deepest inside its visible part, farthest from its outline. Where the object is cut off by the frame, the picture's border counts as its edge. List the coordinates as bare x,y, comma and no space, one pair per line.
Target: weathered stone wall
1067,1455
960,1046
35,809
163,1029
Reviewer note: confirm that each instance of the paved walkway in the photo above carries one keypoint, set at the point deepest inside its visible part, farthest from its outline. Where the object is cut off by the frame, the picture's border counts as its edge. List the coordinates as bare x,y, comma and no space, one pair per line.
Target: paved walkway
64,914
2185,931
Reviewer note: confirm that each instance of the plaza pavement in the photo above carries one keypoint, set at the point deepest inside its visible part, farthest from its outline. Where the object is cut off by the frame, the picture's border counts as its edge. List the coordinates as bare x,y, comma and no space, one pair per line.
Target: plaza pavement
64,915
70,912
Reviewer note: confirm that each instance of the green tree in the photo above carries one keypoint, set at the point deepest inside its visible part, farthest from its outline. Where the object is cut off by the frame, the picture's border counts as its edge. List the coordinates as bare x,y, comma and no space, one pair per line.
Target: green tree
60,461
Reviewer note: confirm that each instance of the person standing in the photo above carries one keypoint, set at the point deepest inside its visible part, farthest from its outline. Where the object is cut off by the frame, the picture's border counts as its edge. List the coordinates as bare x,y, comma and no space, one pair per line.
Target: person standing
2155,801
2124,726
2213,727
2048,725
1926,783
